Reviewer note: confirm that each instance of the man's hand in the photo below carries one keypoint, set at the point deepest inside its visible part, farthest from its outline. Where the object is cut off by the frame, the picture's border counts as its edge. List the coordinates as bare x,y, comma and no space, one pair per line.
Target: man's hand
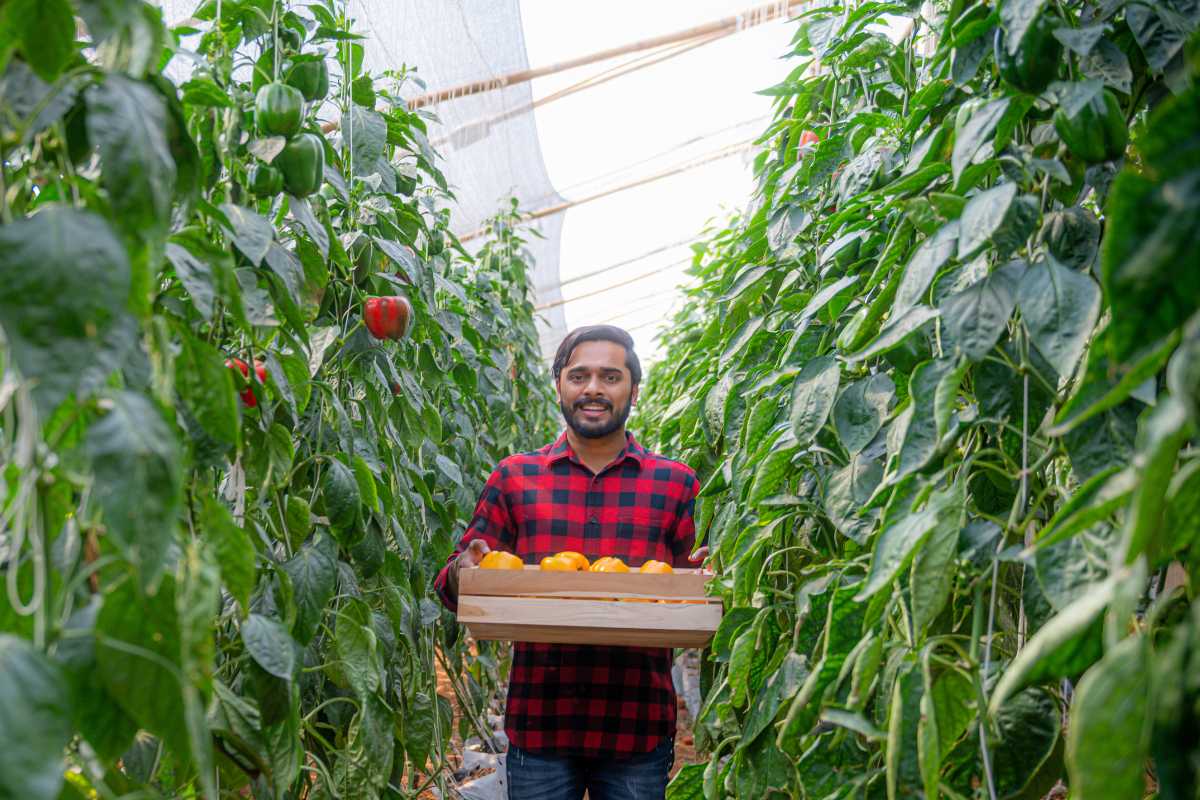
470,557
699,556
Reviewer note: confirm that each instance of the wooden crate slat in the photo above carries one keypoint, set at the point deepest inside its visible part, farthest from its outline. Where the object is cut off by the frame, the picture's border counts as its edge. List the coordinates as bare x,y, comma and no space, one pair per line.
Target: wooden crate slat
558,621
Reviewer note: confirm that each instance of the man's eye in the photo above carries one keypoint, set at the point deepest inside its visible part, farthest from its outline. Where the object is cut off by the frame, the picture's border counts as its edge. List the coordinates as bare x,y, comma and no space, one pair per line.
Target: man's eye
613,378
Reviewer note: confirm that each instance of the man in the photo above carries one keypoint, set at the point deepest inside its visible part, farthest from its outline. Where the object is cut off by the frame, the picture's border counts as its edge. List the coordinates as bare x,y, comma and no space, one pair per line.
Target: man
579,716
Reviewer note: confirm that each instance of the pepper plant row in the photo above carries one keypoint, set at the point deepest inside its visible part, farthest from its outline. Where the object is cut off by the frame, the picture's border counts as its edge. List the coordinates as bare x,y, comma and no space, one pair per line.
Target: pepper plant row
941,380
249,383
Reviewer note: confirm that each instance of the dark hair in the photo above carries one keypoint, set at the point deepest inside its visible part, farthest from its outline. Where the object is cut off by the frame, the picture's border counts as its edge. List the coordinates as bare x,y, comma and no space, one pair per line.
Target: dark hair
598,333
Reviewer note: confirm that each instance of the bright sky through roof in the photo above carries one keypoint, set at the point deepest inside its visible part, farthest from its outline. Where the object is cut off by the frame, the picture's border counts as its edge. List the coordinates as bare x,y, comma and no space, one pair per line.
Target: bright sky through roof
704,100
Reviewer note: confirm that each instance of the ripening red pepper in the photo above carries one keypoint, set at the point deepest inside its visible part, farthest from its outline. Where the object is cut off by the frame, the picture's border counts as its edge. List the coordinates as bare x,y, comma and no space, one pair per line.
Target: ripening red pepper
808,139
388,317
260,372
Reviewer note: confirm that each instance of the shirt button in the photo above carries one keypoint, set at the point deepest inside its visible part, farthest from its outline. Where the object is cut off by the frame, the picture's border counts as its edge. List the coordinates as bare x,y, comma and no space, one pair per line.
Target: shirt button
592,518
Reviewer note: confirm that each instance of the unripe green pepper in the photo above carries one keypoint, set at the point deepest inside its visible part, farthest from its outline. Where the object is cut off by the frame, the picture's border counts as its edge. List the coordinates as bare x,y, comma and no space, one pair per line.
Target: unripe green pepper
279,109
290,38
302,162
311,78
265,180
1097,132
1035,64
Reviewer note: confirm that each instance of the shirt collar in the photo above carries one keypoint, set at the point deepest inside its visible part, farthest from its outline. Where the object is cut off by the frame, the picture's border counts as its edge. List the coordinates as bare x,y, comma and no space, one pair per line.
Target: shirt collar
562,449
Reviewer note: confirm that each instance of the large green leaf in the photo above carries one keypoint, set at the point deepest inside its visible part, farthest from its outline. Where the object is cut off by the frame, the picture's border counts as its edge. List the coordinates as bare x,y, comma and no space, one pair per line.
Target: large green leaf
847,491
96,715
1027,733
1001,217
1062,648
138,651
901,538
46,29
1149,238
366,134
1108,734
813,394
127,120
35,718
1060,308
313,572
977,317
138,480
269,644
64,282
933,253
252,234
861,409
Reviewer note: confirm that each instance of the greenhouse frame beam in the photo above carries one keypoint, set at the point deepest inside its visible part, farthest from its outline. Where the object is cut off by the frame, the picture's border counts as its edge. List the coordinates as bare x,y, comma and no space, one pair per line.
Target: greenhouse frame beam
751,17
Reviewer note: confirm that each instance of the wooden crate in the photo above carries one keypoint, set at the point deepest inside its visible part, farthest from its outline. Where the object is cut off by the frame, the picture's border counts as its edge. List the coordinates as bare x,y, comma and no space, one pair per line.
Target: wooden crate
532,605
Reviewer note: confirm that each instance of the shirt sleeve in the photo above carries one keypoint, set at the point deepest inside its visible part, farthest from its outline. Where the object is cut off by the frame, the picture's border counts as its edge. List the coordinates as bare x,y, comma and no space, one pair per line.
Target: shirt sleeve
492,522
683,533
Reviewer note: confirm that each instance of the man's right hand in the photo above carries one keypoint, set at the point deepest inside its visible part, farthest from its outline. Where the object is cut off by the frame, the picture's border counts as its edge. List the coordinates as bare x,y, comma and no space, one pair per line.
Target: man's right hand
470,557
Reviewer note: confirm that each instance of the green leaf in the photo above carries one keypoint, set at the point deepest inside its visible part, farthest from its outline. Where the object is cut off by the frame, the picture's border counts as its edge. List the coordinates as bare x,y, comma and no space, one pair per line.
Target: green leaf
1062,648
36,718
688,783
933,573
1149,238
970,138
1165,432
233,548
1060,308
1027,734
313,571
206,386
998,216
1108,733
203,92
64,282
780,688
933,253
934,390
269,644
860,411
847,491
813,394
47,31
251,232
954,701
366,133
138,481
127,120
897,331
1086,403
138,651
1018,16
900,540
341,494
96,715
977,317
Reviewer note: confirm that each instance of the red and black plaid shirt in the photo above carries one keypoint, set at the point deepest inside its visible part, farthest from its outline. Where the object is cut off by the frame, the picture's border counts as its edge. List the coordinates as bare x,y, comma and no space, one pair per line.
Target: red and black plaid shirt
584,699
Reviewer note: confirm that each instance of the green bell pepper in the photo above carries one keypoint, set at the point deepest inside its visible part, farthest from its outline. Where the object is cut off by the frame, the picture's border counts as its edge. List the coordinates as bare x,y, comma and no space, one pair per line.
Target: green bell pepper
311,78
302,162
1097,132
1035,64
279,109
265,180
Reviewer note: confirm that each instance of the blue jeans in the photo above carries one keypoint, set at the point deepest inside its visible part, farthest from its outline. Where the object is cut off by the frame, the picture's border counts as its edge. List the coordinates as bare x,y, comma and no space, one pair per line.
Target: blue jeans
545,776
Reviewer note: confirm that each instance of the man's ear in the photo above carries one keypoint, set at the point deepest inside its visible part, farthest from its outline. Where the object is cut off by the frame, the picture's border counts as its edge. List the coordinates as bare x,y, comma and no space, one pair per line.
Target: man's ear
633,395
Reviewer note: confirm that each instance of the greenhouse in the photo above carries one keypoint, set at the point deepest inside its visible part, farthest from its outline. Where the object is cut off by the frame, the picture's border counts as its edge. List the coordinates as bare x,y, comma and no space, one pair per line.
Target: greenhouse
498,399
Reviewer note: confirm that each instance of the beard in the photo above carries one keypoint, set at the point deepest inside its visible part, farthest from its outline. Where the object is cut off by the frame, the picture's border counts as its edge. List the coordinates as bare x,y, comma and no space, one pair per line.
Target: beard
595,430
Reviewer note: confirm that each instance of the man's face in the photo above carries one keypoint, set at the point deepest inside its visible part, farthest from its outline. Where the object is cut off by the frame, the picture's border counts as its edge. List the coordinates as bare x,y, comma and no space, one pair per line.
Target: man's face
595,390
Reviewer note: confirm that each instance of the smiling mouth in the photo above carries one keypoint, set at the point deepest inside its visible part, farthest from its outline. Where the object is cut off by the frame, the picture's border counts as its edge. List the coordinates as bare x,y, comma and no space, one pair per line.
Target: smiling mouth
593,408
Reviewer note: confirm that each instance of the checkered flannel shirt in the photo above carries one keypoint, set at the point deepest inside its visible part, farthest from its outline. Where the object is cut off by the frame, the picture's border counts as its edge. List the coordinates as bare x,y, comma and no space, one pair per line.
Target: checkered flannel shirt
582,699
